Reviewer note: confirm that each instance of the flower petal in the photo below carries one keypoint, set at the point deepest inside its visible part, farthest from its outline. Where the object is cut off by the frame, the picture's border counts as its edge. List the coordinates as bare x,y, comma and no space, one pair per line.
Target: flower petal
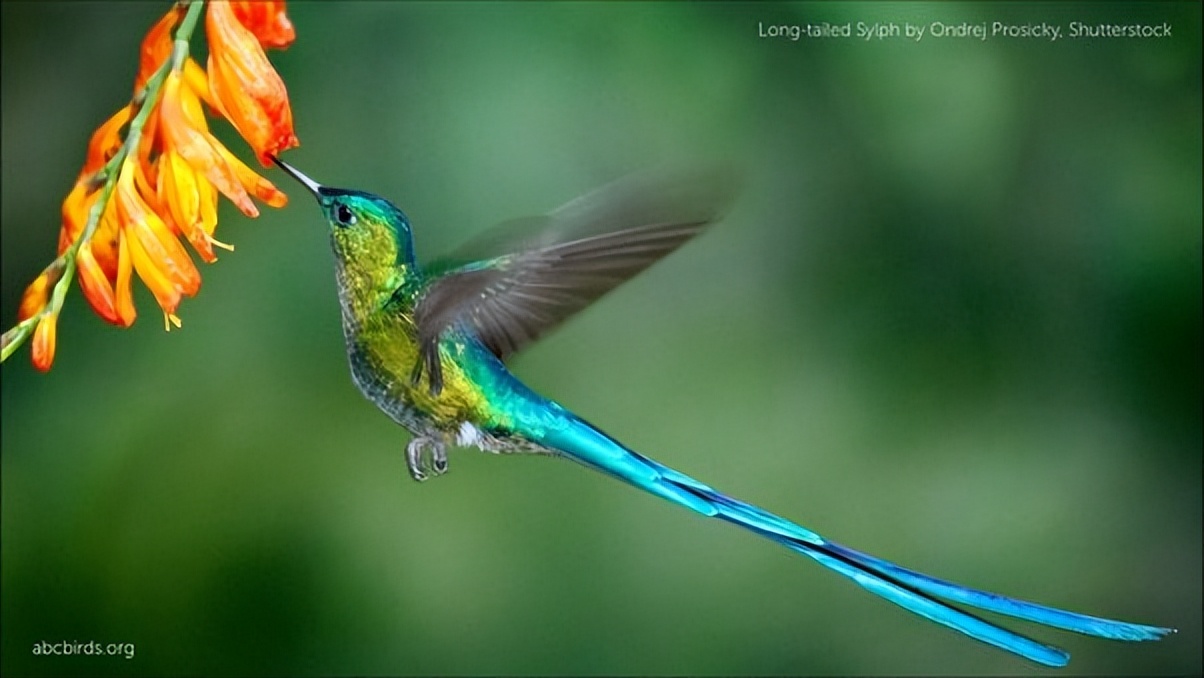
208,205
146,178
197,80
126,312
176,185
256,185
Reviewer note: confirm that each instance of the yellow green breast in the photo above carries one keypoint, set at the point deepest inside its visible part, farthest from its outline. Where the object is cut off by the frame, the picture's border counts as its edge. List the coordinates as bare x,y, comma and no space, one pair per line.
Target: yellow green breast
383,349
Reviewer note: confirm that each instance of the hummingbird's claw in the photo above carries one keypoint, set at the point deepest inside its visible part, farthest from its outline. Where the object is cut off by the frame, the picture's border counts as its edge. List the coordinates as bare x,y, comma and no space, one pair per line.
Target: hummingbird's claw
439,463
426,457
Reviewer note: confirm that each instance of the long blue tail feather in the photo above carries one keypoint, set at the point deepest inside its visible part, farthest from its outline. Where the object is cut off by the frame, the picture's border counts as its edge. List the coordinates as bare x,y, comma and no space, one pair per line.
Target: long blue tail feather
914,591
993,602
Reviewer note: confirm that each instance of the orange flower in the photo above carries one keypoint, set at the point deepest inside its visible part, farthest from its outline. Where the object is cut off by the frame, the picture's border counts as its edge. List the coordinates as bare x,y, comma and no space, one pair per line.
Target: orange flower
43,342
247,89
75,212
156,46
105,142
38,293
185,131
98,290
104,241
266,20
191,201
97,257
158,257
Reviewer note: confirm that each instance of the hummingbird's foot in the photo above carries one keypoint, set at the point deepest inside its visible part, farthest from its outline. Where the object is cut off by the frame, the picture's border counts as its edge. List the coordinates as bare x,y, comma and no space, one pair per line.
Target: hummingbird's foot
426,457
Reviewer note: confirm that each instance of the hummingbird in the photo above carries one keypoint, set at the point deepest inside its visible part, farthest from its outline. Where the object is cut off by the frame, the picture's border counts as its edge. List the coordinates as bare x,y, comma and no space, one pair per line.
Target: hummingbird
427,345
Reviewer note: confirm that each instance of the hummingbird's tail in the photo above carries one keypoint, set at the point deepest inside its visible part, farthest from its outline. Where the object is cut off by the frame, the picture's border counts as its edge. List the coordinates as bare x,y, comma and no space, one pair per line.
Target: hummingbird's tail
909,589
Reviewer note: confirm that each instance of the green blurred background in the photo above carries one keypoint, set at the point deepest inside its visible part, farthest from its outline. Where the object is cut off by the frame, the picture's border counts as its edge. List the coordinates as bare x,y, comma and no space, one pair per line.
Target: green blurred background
955,321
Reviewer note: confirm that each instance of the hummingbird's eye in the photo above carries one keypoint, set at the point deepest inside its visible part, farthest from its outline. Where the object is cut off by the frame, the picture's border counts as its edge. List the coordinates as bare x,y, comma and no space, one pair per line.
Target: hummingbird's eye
344,215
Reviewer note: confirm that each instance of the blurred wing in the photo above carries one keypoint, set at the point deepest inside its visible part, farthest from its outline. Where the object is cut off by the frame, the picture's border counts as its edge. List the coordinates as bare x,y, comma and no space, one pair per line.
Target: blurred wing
537,272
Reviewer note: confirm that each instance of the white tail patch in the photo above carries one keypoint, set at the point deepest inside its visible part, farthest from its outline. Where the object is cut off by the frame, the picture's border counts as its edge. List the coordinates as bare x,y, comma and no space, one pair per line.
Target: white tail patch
468,435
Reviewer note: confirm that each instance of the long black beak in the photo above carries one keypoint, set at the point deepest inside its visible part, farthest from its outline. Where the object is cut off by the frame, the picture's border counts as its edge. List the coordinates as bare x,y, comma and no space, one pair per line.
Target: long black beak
313,186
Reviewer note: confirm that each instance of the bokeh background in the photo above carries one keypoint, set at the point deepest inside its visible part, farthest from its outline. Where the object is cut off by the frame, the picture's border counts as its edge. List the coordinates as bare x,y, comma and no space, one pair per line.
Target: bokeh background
955,321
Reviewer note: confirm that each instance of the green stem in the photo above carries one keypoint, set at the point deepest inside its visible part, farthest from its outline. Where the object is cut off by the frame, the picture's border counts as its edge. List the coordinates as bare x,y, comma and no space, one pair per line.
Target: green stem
145,99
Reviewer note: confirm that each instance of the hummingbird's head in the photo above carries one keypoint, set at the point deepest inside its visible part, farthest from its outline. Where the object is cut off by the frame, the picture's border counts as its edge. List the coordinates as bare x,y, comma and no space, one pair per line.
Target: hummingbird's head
366,231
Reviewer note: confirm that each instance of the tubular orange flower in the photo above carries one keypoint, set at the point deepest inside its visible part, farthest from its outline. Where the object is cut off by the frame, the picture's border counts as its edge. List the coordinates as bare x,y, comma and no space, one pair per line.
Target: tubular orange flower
194,143
75,212
38,293
154,252
43,342
156,46
105,141
248,90
266,20
34,299
157,255
98,259
164,290
192,203
96,286
104,241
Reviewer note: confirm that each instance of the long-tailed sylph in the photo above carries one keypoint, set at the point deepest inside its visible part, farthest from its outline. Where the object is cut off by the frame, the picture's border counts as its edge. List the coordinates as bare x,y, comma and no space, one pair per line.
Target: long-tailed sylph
427,344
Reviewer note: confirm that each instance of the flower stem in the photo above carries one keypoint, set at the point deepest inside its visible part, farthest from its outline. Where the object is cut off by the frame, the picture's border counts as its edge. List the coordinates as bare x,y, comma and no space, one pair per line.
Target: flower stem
145,99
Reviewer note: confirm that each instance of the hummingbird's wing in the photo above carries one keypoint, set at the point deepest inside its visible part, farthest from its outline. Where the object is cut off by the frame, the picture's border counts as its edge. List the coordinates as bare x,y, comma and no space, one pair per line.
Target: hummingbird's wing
524,277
